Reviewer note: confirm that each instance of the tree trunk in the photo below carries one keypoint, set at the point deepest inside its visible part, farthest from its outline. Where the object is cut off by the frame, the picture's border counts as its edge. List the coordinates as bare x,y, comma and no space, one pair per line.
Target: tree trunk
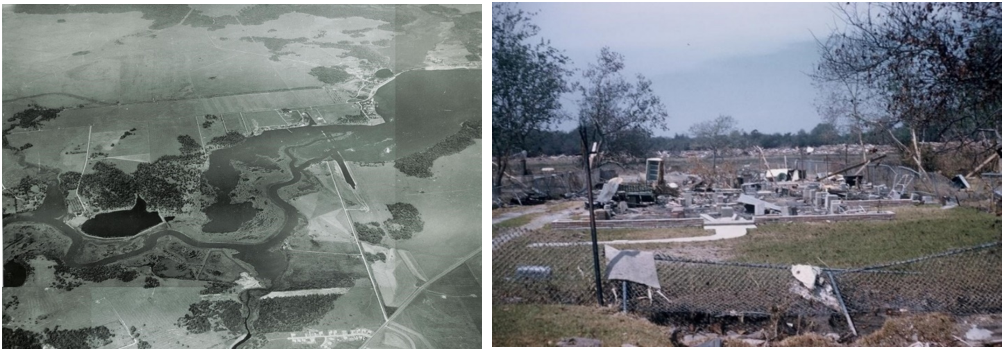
501,164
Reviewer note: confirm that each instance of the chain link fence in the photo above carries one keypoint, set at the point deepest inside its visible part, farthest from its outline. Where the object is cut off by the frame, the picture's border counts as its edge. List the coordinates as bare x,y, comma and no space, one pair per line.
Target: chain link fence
959,282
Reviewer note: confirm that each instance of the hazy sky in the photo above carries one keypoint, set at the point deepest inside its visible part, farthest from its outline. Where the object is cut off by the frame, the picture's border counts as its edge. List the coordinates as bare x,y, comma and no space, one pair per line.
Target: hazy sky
748,60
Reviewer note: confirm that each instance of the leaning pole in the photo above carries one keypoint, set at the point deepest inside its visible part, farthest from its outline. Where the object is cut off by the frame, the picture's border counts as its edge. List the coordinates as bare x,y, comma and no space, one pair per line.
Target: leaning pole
588,156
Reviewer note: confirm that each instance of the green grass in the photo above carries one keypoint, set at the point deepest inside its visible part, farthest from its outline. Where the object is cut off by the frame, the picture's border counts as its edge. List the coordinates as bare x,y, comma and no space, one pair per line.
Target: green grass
516,222
545,325
649,234
915,232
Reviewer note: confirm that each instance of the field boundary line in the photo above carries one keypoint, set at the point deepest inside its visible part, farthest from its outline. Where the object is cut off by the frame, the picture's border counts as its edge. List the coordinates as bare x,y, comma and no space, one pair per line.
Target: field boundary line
87,155
202,143
363,257
415,293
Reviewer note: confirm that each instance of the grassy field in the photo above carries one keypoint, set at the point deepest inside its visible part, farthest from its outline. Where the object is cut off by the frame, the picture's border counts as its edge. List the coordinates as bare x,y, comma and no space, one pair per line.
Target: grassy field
516,222
917,231
528,325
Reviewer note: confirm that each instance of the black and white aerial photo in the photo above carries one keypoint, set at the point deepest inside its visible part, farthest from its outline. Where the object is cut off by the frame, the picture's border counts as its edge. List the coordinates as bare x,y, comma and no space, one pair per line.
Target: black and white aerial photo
242,176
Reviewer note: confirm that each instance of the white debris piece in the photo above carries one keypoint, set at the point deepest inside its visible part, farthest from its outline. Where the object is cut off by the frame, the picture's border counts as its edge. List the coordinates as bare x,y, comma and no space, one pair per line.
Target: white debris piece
811,287
976,334
806,274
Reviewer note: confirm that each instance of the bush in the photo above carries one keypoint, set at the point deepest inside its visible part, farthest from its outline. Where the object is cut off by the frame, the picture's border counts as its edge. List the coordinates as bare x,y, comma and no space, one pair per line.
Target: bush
151,282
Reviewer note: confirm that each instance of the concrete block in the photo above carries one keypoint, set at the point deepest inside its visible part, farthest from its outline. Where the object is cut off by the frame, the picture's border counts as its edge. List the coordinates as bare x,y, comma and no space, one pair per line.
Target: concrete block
600,214
726,212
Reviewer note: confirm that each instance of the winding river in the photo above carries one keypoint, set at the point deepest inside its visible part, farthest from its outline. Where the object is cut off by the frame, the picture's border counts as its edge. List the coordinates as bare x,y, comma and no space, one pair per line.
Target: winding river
421,108
423,98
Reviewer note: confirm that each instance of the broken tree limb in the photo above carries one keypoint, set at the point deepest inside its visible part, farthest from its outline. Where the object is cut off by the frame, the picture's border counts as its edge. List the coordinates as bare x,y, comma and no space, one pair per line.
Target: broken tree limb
855,166
989,160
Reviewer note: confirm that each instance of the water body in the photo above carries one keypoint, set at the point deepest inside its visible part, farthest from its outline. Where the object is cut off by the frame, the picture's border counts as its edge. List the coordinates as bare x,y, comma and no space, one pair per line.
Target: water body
14,274
437,113
345,170
123,223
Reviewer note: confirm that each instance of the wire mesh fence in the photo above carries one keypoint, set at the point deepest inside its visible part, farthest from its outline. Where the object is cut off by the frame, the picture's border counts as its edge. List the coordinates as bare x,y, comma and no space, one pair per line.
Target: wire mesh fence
550,267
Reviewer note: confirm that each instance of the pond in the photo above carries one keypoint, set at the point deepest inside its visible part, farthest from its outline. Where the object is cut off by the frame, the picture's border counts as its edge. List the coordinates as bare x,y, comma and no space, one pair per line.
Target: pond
14,274
123,223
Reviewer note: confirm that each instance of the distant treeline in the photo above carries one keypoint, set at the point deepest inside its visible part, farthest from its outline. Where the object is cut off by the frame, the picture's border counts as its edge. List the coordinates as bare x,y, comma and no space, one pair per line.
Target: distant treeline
568,143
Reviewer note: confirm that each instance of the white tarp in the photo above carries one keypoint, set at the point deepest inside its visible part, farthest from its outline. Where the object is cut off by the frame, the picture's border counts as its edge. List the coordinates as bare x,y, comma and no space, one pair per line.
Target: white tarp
609,190
631,265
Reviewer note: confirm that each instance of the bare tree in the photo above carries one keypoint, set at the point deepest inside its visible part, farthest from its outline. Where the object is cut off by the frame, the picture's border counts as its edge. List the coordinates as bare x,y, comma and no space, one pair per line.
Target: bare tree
936,67
612,108
528,80
715,134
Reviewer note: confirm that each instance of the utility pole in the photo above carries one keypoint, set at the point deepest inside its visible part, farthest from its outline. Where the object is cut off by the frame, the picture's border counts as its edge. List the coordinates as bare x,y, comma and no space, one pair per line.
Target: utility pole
588,156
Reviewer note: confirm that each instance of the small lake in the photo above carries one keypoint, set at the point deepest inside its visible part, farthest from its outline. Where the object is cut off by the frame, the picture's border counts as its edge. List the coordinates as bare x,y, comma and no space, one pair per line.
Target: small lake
14,274
123,223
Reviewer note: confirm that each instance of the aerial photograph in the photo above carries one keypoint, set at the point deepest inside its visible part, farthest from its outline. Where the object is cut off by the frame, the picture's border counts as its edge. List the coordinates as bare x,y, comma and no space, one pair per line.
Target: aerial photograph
746,174
242,176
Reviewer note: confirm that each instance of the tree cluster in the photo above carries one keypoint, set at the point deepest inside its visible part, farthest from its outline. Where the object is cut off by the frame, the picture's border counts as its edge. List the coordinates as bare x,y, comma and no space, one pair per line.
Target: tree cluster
932,69
229,139
405,220
330,74
165,184
528,80
108,187
373,258
420,164
369,232
293,313
68,277
93,337
227,313
32,117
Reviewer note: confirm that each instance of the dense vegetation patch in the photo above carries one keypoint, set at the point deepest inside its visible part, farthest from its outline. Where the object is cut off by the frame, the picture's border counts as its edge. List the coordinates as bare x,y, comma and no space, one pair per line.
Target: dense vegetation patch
93,337
20,338
216,287
330,74
420,164
292,313
108,187
405,221
373,258
369,232
228,140
32,117
165,183
68,277
213,315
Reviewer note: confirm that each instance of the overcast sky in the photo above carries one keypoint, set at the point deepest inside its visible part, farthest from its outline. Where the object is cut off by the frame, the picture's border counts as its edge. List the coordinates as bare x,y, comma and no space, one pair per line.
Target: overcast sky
747,60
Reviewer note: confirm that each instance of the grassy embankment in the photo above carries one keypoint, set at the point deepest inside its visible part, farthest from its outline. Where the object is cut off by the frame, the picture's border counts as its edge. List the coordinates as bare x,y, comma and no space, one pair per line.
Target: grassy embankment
545,325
